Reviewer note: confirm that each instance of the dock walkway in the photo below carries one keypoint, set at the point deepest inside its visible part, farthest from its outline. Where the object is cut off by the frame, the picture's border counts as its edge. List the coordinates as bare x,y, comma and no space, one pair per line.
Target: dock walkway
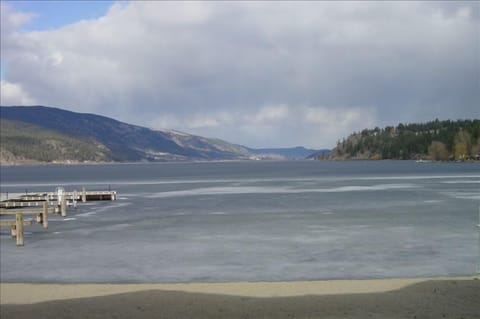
37,200
51,203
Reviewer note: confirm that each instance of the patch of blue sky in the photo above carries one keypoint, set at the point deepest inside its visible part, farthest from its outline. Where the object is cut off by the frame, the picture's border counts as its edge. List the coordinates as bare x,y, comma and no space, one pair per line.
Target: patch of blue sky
52,14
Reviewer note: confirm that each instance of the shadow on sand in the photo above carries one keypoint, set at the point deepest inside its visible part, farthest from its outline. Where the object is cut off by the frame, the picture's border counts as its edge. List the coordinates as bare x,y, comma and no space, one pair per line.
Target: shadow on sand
431,299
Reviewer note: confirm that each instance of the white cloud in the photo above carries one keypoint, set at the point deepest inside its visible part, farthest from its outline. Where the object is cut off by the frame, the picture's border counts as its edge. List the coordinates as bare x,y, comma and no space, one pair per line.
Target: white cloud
258,73
56,58
13,94
271,113
339,116
274,126
203,121
165,121
11,20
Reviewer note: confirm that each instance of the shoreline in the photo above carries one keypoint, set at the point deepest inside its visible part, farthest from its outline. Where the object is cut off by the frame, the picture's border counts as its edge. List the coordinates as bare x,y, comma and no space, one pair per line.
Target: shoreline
426,298
30,293
75,163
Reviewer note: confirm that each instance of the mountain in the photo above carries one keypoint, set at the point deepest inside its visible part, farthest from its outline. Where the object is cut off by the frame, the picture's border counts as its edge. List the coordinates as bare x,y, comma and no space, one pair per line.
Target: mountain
27,143
68,136
298,152
435,140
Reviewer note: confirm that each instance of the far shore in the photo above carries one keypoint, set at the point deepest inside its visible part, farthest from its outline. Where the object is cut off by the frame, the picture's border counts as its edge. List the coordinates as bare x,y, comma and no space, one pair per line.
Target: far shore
73,163
455,297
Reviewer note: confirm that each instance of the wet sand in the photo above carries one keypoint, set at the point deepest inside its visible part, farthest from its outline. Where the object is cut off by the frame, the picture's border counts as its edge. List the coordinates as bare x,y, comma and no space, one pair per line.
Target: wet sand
388,298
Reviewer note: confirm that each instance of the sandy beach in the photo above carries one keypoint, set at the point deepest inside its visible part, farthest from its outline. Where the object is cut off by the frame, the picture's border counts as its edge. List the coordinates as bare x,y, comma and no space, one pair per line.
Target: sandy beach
383,298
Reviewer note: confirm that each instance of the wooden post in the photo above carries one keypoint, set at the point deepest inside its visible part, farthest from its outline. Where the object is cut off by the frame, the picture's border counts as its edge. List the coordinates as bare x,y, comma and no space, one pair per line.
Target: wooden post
19,228
478,265
75,198
63,206
13,231
45,215
84,195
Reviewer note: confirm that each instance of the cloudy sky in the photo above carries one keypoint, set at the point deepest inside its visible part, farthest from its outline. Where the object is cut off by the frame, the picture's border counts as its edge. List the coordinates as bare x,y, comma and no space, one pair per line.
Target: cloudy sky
261,74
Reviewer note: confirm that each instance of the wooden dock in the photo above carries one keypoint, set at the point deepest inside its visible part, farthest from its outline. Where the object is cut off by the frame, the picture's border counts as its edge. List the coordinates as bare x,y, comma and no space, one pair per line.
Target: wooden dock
37,200
51,203
16,226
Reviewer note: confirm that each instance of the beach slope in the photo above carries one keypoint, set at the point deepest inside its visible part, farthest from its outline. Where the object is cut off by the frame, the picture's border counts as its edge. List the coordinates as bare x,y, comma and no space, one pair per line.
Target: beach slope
389,298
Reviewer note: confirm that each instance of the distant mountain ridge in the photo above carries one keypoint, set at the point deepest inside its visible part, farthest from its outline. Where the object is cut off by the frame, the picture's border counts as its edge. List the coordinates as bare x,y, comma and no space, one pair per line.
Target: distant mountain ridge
298,152
103,139
124,142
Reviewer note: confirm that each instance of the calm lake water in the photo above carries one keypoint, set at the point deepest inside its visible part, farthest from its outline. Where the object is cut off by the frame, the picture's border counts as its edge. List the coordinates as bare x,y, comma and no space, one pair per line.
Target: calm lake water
250,221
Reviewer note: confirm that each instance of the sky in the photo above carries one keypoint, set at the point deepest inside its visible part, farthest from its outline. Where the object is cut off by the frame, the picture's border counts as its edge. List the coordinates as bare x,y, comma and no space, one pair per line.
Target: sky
260,74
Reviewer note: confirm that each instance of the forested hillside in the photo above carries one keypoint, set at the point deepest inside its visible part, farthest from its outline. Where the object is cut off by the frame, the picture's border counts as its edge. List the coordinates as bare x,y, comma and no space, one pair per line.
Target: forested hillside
22,142
44,134
119,142
435,140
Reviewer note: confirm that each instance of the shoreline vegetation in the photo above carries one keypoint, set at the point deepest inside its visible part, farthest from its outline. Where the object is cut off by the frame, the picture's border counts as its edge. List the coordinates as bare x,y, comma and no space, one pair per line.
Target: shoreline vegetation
40,135
34,163
450,297
435,140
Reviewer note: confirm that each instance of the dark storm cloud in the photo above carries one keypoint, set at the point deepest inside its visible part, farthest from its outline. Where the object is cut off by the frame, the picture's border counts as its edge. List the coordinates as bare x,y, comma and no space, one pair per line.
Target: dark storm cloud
257,73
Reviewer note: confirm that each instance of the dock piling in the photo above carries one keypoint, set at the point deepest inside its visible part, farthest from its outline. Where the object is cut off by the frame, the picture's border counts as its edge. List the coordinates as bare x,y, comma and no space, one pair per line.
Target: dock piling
19,228
58,201
74,199
45,215
63,206
478,226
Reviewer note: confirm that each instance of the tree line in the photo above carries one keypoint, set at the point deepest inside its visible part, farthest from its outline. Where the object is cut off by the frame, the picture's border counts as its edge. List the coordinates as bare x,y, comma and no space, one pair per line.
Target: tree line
29,142
435,140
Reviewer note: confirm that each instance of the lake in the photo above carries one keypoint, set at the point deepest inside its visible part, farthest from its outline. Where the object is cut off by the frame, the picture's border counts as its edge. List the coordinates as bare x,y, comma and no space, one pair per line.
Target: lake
250,221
